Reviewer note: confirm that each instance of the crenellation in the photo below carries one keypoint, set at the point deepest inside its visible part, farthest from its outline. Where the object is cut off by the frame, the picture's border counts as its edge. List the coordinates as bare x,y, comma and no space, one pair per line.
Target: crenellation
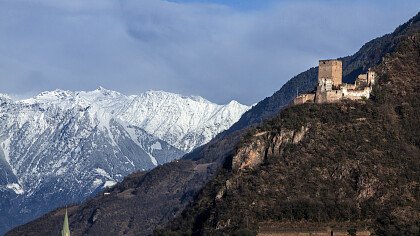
330,87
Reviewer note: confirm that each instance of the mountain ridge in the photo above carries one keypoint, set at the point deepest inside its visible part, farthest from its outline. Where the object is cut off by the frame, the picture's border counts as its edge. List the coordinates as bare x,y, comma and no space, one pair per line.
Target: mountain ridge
102,97
51,143
348,166
148,200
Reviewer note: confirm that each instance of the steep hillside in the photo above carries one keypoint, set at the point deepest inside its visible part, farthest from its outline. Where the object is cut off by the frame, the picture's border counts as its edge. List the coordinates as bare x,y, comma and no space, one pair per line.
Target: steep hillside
139,203
368,56
351,165
183,179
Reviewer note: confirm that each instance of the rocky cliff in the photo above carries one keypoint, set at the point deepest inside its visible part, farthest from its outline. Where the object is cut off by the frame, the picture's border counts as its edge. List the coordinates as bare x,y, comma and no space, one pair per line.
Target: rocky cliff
327,170
353,165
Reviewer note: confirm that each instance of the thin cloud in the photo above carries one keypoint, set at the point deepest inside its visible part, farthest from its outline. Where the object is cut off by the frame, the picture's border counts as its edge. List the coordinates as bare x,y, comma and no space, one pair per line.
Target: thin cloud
218,51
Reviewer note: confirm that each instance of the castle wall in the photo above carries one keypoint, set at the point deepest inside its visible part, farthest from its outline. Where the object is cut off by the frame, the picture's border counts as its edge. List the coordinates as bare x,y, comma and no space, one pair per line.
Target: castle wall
304,98
356,94
328,96
325,84
344,93
362,77
371,77
320,96
331,69
334,95
362,80
348,86
331,89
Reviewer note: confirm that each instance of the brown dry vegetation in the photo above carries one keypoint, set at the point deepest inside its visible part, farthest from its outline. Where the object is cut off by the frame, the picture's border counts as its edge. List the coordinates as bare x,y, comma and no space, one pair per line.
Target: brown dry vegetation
357,165
358,162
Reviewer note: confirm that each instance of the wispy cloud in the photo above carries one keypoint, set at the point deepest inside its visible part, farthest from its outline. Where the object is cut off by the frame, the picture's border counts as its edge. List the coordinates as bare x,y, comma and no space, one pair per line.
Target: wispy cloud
219,51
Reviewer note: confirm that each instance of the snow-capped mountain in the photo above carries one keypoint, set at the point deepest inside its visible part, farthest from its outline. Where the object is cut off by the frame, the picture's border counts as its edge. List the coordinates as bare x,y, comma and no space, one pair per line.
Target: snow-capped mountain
61,146
184,122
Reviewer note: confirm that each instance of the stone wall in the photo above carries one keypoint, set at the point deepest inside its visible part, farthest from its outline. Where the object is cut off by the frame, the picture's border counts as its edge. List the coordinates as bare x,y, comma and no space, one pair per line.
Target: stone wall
356,94
371,77
343,93
331,89
304,98
349,86
331,69
334,95
328,96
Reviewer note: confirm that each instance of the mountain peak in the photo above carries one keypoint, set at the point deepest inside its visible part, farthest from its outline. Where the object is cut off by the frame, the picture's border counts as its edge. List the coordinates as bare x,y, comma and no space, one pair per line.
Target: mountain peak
99,136
57,93
105,91
160,93
100,92
235,103
5,96
54,96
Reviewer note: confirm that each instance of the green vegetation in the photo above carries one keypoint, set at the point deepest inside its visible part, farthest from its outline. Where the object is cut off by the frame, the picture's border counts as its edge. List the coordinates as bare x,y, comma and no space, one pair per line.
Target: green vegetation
358,164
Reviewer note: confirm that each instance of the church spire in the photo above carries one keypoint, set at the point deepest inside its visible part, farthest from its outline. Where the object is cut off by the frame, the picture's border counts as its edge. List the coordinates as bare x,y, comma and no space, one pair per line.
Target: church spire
66,230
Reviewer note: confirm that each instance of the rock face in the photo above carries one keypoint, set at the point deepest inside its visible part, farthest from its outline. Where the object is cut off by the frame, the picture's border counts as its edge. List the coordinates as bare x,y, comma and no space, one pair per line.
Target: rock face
350,166
263,145
61,147
213,161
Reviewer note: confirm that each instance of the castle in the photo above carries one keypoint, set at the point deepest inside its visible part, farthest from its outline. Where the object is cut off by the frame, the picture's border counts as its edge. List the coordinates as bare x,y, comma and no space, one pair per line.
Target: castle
331,88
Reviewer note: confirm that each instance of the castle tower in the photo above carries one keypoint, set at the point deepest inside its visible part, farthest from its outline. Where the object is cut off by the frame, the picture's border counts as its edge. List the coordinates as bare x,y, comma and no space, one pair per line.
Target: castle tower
371,77
330,70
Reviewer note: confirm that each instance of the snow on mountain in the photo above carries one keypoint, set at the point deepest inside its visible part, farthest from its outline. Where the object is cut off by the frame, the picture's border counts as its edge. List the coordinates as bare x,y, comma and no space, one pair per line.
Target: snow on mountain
184,122
62,146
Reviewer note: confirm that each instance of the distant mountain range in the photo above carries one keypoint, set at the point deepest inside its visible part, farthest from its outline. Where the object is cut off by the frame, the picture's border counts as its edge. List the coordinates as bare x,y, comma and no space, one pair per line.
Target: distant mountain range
203,192
61,147
295,179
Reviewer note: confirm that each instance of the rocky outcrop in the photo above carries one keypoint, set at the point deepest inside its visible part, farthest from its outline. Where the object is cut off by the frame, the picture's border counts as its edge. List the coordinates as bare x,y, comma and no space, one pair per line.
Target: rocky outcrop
265,144
306,184
351,166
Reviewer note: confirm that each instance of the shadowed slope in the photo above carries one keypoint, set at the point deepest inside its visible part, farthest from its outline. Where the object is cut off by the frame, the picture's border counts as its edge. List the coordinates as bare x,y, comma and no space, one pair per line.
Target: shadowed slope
144,201
351,165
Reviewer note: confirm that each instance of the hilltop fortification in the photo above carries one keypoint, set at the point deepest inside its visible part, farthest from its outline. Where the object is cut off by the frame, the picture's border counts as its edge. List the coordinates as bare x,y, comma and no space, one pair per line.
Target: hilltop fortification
330,87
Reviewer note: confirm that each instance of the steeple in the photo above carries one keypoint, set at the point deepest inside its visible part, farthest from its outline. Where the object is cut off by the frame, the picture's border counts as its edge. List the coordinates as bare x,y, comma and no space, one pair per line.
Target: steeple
66,230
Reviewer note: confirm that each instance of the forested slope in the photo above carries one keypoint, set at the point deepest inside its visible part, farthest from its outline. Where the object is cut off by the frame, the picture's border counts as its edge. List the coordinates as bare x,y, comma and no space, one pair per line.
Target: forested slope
354,164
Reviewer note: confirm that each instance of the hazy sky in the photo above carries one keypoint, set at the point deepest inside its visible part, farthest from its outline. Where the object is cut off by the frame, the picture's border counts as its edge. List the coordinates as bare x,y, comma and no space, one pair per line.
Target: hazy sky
219,49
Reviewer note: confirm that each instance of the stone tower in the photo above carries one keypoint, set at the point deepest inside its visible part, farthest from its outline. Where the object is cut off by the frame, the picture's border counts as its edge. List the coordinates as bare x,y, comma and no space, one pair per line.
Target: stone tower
371,77
330,70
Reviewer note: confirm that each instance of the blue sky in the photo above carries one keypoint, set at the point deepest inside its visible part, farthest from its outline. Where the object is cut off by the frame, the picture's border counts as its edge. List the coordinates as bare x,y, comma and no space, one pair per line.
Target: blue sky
221,50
